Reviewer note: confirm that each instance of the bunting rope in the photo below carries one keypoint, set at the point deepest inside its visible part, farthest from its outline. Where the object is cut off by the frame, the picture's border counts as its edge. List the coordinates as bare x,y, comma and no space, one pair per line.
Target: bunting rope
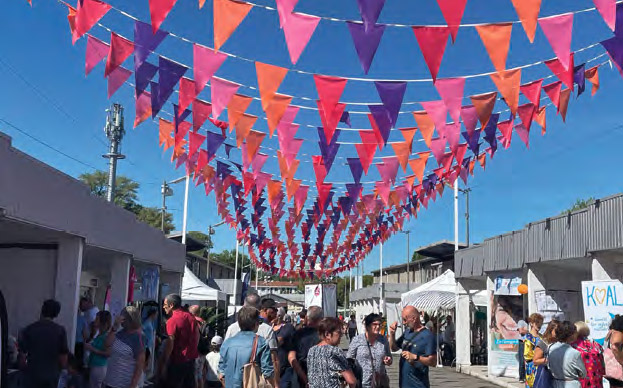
484,74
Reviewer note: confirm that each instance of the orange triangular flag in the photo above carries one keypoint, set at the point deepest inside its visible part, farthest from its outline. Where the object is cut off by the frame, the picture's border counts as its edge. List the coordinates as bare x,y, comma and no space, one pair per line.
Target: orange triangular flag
402,151
408,134
592,75
201,3
471,167
410,180
228,14
275,110
564,103
425,125
539,118
419,165
269,77
243,127
507,83
292,186
528,12
496,39
484,104
71,18
236,108
165,131
482,160
254,139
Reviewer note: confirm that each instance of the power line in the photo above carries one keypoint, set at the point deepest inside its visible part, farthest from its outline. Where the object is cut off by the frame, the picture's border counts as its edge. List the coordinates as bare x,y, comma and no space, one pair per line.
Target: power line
43,143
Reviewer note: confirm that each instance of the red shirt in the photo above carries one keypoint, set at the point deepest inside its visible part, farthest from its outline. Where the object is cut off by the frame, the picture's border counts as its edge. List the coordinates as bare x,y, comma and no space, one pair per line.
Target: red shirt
183,327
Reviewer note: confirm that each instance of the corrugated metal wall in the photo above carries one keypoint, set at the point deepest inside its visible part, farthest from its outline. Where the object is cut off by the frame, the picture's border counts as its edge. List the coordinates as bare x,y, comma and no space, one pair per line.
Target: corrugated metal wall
596,228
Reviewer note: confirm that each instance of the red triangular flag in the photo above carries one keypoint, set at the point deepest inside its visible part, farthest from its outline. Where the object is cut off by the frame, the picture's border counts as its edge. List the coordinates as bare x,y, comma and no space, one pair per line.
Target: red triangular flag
116,79
120,50
532,91
186,93
432,42
366,154
142,108
195,140
565,75
87,14
564,103
452,11
158,10
553,91
526,114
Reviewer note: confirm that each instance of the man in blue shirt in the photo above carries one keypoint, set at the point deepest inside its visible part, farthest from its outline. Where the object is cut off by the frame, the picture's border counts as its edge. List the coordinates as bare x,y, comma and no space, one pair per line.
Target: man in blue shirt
418,349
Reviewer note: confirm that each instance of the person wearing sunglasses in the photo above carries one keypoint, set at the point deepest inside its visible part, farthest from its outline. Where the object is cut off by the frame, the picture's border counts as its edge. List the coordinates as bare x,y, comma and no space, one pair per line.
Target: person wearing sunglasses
418,349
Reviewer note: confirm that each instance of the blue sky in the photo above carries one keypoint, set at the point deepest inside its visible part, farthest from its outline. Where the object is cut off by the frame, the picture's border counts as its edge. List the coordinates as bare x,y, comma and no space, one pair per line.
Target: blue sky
46,94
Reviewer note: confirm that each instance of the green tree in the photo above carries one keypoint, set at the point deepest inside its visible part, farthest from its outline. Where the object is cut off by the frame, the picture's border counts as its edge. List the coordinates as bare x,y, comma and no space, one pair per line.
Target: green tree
579,204
126,190
368,280
153,216
126,196
202,238
228,257
416,256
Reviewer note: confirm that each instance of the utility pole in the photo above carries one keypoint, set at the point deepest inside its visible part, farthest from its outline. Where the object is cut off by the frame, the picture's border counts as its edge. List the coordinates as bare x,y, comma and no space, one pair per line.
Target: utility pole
114,132
408,232
166,191
466,191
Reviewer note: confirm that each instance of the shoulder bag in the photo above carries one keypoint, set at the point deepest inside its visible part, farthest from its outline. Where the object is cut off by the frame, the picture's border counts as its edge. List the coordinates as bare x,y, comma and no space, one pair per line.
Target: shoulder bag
252,376
379,380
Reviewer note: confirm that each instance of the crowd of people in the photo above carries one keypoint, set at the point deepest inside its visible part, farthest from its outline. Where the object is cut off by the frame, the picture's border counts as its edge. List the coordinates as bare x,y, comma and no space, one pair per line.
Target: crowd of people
116,351
562,355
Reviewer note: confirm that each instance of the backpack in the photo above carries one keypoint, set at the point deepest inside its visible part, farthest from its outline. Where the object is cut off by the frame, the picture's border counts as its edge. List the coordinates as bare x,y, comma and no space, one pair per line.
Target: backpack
203,346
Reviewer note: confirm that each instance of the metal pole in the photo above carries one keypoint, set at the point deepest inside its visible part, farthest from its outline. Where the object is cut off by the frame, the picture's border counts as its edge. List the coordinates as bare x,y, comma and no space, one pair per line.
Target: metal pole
164,190
381,299
467,216
257,274
456,214
408,261
114,132
236,279
345,284
185,222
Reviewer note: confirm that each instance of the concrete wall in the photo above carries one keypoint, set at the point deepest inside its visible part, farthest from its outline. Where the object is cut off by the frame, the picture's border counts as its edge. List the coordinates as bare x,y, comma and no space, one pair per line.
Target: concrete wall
68,206
26,280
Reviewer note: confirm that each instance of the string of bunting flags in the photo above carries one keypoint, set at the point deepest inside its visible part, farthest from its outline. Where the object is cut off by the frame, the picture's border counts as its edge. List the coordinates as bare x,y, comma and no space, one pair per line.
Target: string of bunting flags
331,226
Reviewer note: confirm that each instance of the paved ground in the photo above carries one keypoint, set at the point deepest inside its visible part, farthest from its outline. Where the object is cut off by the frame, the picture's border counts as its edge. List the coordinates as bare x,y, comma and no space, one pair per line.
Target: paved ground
439,377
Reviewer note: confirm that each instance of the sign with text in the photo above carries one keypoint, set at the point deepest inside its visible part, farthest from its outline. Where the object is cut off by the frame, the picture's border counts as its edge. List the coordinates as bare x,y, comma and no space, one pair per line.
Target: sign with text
602,300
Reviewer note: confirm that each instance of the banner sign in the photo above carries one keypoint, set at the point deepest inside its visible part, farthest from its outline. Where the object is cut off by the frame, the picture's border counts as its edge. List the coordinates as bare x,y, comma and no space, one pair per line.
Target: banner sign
602,300
503,333
506,286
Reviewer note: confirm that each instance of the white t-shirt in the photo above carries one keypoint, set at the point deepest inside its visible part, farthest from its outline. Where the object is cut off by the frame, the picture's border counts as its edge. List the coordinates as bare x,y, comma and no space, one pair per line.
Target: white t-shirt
265,331
213,359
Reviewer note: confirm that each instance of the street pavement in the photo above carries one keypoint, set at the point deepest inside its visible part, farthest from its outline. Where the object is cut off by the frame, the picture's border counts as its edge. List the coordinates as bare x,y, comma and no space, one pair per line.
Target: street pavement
444,377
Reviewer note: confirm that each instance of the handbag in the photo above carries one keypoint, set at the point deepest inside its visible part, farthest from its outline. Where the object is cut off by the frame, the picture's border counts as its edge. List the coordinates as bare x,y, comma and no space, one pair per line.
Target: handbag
252,376
379,380
357,370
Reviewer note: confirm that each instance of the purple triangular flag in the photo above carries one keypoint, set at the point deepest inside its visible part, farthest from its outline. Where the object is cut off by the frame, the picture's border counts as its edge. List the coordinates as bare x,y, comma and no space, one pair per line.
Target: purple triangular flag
169,73
345,119
579,78
472,141
391,94
215,140
145,42
179,117
155,101
614,47
366,41
354,190
382,119
370,11
355,168
228,148
143,75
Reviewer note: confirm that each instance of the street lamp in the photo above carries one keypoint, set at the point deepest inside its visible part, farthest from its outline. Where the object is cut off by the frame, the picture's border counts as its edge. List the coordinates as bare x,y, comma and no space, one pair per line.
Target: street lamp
167,191
466,191
408,232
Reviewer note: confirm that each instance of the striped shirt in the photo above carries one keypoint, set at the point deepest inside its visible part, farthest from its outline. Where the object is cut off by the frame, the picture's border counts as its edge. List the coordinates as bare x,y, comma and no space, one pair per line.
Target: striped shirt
125,351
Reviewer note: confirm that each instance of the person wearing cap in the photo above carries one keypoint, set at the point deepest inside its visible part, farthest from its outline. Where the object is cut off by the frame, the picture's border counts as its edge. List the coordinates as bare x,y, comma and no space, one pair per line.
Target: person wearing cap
522,327
213,359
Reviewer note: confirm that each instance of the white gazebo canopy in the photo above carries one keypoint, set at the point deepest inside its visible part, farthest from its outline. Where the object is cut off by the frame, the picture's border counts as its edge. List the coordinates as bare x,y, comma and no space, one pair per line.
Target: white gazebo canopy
194,289
438,294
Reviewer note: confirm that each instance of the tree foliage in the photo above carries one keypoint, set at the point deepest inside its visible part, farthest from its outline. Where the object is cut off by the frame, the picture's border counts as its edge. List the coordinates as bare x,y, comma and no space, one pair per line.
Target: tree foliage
202,238
416,256
228,257
126,196
579,204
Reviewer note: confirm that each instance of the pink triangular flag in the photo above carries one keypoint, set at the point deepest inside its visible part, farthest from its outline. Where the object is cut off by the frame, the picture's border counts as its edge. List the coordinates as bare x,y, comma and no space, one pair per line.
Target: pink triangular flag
470,118
195,140
222,92
437,111
205,63
451,92
96,52
258,162
452,134
438,146
452,11
285,8
532,91
298,29
117,78
524,134
608,10
558,31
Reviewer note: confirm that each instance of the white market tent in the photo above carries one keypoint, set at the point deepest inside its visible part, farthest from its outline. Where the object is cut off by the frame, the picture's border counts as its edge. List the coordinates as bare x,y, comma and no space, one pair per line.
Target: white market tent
438,294
194,289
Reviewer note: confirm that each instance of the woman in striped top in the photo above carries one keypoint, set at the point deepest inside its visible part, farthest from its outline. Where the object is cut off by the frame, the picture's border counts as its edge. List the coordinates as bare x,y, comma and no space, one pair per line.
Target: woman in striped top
127,357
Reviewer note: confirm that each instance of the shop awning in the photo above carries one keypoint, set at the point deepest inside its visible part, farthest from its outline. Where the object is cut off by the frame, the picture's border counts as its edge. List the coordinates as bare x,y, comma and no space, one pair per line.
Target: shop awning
438,294
194,289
